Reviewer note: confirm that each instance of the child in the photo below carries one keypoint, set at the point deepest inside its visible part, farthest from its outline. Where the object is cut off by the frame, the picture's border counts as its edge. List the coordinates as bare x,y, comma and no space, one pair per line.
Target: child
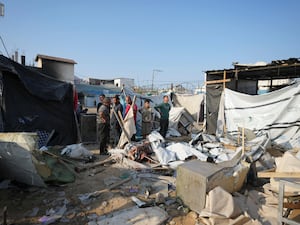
146,112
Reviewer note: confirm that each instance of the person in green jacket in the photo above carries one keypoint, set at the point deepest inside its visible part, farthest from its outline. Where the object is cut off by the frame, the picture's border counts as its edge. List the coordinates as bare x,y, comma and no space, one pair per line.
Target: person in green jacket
164,109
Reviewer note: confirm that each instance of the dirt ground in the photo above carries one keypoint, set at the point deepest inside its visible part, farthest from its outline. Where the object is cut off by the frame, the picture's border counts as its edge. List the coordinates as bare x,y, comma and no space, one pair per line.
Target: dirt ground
26,204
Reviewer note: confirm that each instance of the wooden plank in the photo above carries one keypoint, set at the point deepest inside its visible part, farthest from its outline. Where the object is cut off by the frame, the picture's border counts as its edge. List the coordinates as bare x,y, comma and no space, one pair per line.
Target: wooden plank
224,80
121,123
80,169
97,193
243,141
278,174
217,81
240,220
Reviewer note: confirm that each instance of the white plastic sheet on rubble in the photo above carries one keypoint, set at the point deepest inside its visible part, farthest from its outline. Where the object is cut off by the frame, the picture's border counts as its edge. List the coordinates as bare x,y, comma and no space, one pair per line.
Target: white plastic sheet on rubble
226,208
277,112
16,160
287,163
136,216
129,127
183,151
76,151
172,132
163,155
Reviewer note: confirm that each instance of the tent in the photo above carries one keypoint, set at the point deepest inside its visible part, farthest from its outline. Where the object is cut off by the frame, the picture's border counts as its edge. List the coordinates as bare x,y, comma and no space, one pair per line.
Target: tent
34,102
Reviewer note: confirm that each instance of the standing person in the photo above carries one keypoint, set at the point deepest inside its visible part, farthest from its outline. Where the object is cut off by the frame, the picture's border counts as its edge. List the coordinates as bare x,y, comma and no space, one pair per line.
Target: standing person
104,125
114,124
164,109
101,98
146,112
128,105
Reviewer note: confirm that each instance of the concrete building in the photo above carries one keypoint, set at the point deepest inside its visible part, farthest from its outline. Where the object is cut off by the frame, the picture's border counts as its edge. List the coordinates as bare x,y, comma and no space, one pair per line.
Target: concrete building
127,82
59,68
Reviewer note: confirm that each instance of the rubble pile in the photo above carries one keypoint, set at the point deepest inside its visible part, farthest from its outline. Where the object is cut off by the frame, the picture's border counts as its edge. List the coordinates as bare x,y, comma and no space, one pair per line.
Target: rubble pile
205,180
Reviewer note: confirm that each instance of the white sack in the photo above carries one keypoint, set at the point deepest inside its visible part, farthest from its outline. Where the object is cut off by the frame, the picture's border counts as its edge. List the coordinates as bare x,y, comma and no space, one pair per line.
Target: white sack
76,151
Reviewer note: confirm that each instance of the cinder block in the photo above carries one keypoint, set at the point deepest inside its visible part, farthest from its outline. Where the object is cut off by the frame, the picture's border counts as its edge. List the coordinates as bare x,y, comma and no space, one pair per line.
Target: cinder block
195,178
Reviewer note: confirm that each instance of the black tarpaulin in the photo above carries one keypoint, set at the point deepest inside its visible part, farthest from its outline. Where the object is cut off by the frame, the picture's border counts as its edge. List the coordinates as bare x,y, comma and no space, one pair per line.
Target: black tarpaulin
32,101
213,95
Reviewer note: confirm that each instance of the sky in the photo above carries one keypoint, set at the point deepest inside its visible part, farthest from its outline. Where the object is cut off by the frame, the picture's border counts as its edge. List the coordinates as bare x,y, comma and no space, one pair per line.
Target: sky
131,38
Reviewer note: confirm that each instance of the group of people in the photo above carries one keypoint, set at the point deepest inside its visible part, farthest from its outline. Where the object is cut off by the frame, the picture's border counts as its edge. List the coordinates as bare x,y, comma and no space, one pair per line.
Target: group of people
110,112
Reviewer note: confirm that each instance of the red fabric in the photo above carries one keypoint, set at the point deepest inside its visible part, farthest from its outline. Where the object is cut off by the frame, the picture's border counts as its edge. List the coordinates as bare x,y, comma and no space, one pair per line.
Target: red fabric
134,111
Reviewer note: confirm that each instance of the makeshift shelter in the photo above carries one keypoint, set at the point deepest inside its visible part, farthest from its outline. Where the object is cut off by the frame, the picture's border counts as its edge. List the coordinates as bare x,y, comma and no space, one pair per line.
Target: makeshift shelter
33,102
245,79
89,94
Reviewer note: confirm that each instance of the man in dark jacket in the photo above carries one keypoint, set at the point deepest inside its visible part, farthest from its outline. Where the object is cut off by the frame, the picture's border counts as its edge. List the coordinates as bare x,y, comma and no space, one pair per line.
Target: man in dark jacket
164,109
104,125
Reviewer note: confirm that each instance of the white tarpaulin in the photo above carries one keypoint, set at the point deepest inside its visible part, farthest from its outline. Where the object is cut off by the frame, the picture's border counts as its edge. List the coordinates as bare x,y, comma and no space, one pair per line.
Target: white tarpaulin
174,117
277,112
129,127
192,103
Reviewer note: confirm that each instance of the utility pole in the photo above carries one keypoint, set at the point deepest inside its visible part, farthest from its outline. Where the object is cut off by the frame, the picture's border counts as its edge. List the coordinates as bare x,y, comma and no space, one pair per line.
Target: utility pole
153,72
2,15
1,9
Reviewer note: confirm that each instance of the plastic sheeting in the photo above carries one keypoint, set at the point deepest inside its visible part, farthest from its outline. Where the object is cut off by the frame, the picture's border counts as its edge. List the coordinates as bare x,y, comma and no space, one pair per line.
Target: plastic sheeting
129,127
183,151
277,112
192,103
16,160
32,101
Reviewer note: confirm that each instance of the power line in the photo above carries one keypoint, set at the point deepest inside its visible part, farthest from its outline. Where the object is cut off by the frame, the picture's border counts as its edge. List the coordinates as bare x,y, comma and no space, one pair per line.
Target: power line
4,46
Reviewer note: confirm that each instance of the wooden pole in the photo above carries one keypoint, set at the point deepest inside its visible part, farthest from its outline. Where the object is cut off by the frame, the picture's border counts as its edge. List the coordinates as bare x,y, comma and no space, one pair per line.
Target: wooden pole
121,125
224,80
243,141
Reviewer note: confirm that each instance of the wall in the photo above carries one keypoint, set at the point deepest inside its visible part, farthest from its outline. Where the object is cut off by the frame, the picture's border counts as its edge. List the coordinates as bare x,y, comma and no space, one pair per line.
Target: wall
59,70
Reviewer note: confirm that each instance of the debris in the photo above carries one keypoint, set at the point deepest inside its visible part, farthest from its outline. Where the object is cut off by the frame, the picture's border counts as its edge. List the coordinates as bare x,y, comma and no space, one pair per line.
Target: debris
159,198
17,160
287,168
94,172
136,216
5,184
93,165
195,178
84,197
215,208
76,151
137,201
53,215
33,213
183,151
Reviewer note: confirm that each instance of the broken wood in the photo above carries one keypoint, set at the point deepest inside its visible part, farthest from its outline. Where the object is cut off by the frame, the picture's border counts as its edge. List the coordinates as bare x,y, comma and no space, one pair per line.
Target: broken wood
57,156
121,123
240,220
93,165
96,172
264,174
217,81
97,193
61,160
243,141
